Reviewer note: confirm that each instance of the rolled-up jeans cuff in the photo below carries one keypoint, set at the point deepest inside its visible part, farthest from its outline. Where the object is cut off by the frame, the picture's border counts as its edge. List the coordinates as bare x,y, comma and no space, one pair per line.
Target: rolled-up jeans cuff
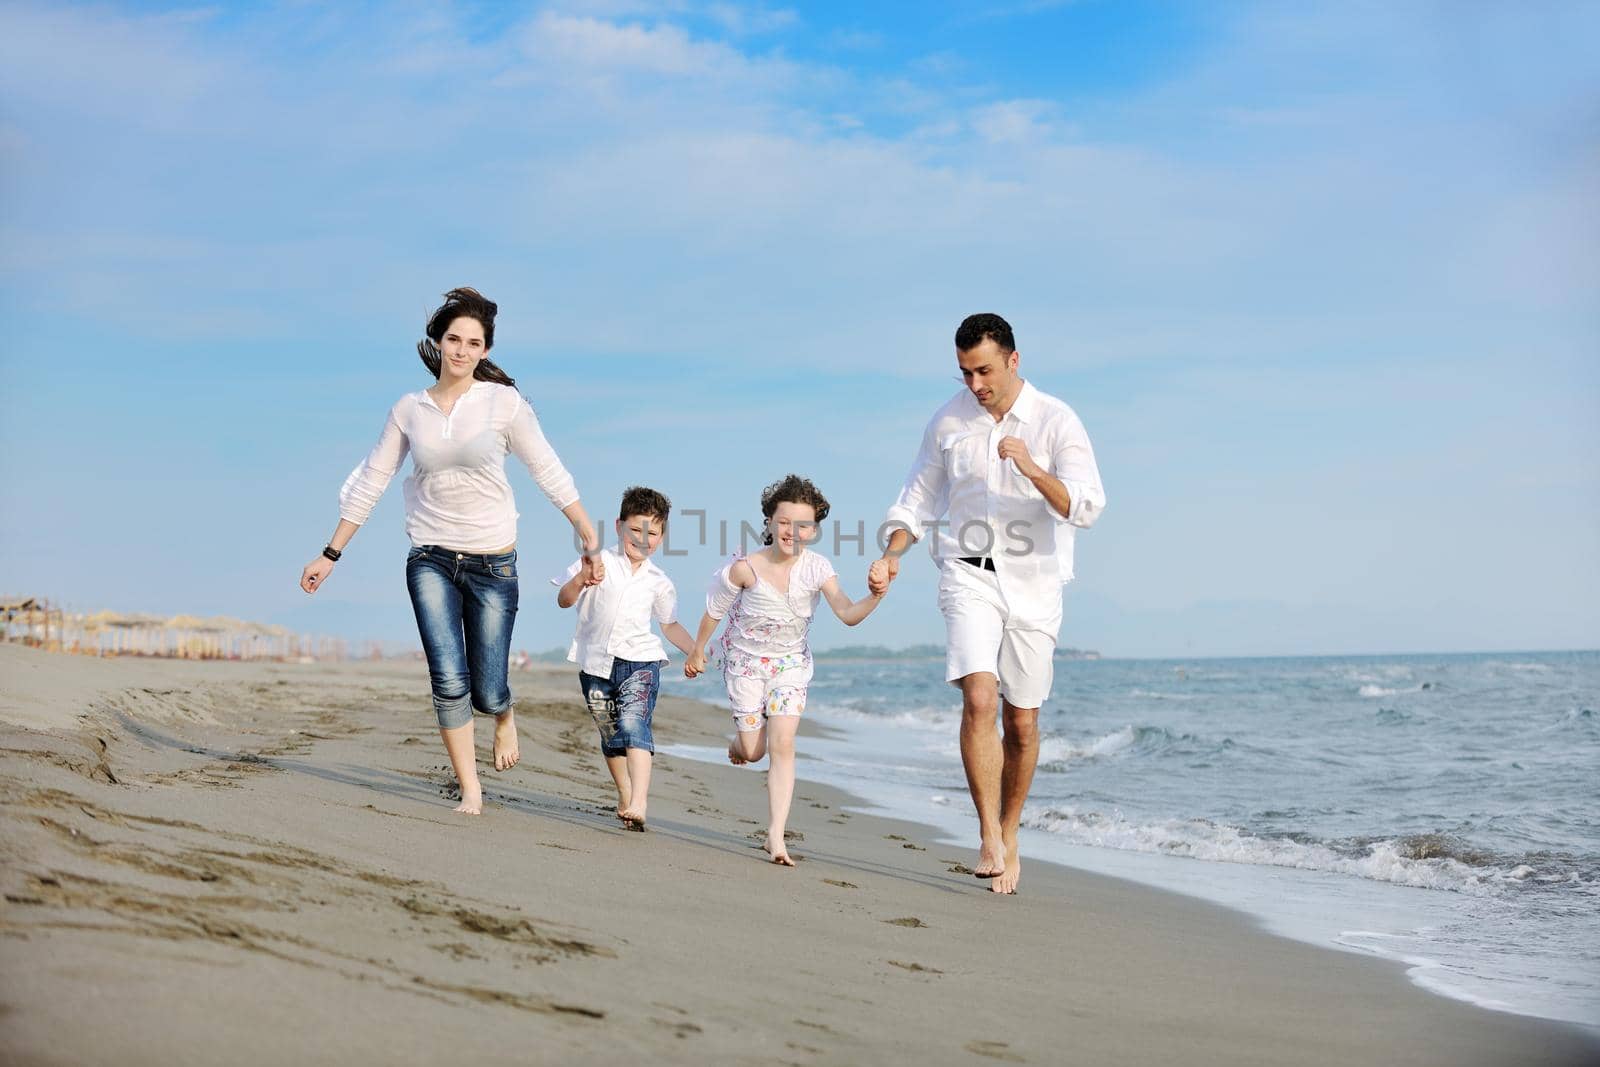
453,712
501,710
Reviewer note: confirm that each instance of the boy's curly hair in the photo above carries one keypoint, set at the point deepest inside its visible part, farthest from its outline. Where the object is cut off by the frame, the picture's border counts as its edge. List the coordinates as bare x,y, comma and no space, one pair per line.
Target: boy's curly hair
791,489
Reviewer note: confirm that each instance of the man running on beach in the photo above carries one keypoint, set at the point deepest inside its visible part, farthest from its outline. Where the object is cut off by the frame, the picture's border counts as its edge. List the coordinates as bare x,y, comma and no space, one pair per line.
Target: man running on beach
1004,476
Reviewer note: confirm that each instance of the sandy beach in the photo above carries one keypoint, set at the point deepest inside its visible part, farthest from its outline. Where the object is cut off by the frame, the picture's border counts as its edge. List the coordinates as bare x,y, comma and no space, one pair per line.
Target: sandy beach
257,863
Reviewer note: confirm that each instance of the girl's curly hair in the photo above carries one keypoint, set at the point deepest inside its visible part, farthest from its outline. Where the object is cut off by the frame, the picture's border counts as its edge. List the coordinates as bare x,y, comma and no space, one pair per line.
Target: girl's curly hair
791,489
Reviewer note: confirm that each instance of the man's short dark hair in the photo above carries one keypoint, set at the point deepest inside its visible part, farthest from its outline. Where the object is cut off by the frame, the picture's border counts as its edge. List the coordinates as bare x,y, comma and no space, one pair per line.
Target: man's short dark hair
637,500
985,326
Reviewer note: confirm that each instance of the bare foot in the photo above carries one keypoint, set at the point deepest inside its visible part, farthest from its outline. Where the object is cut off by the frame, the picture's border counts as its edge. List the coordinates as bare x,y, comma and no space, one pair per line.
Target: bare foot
777,850
1007,882
506,752
471,800
622,804
735,756
991,861
632,817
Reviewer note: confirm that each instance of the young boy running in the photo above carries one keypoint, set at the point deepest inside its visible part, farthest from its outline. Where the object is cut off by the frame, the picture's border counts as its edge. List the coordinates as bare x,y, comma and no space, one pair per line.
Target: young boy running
619,658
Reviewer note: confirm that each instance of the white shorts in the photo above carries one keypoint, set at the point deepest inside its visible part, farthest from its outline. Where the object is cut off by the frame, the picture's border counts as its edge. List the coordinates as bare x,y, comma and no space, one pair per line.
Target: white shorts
763,686
980,637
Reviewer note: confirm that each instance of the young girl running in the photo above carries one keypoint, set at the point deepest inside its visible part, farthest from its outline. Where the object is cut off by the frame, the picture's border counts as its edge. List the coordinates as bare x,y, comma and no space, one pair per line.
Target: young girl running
769,598
461,571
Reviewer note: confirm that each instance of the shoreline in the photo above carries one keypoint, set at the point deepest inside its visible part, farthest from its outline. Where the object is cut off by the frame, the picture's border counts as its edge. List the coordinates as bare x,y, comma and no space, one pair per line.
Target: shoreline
1161,873
1131,784
198,853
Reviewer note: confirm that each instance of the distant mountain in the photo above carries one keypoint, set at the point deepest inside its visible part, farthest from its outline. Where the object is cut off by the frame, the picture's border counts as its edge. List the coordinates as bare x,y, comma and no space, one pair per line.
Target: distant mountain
882,652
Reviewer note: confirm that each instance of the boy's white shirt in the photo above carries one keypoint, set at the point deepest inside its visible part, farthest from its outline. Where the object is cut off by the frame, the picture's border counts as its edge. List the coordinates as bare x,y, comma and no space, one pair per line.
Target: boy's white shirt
614,617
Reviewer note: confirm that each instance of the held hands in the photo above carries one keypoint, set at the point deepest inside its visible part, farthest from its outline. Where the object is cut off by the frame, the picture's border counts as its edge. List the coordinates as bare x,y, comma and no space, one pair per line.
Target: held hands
881,573
1014,449
695,664
879,578
316,573
594,568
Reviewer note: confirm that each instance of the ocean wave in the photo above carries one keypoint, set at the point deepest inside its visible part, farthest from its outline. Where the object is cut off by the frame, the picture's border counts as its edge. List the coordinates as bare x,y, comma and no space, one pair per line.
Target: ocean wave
1424,861
926,717
1577,719
1057,753
1372,690
1151,694
1375,672
1054,749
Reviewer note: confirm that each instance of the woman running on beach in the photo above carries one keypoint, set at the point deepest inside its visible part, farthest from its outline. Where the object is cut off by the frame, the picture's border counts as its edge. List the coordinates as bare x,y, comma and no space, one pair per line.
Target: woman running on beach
462,521
769,599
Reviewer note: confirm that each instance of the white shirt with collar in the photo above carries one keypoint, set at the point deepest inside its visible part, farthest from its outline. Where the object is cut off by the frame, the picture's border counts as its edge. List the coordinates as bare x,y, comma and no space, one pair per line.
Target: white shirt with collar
981,505
614,617
457,495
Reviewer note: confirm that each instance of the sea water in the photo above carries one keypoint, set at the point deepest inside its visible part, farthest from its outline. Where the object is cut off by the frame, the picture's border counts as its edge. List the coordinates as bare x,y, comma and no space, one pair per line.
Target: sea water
1439,810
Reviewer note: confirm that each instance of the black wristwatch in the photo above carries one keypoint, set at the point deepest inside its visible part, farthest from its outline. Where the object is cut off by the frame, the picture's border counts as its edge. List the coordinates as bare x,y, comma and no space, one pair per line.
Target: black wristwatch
331,553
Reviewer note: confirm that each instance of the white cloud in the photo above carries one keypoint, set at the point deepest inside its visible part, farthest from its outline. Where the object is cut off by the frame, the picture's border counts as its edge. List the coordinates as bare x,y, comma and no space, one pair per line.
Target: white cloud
591,43
743,21
1014,121
98,63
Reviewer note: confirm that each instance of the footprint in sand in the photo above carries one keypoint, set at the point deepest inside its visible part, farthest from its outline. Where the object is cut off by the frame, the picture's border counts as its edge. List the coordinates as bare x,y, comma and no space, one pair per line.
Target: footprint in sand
995,1050
909,920
841,885
916,968
788,835
679,1030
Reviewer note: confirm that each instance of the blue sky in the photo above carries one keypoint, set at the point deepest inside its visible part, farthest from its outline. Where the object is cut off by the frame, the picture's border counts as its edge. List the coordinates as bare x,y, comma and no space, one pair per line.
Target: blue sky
1320,282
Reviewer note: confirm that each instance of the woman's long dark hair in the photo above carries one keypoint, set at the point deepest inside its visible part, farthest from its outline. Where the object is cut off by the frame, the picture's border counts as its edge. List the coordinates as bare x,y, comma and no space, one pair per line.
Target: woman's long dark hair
463,303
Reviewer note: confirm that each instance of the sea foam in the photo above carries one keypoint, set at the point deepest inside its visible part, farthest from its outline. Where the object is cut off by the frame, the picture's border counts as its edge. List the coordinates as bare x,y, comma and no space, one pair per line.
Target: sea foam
1397,862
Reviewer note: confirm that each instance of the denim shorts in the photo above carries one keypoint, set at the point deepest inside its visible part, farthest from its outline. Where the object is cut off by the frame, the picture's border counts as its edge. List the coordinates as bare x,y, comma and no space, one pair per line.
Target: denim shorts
465,605
623,704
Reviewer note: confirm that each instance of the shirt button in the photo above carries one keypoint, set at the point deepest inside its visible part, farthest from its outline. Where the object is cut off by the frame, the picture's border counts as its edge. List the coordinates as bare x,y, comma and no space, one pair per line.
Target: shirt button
460,556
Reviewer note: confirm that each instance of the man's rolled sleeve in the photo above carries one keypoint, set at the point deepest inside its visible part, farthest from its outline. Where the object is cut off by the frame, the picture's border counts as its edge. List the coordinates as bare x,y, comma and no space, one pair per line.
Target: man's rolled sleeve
922,497
1073,463
1087,503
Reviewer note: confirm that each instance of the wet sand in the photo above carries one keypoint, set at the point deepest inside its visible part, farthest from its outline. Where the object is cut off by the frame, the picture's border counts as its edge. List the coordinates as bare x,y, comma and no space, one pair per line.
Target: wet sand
257,863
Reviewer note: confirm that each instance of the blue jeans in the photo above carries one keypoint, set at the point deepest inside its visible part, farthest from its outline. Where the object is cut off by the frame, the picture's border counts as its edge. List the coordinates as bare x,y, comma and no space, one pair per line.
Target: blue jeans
623,704
465,605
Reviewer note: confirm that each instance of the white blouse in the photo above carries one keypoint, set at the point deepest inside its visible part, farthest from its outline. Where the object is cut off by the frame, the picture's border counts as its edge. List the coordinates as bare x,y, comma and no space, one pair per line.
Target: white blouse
763,620
457,495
